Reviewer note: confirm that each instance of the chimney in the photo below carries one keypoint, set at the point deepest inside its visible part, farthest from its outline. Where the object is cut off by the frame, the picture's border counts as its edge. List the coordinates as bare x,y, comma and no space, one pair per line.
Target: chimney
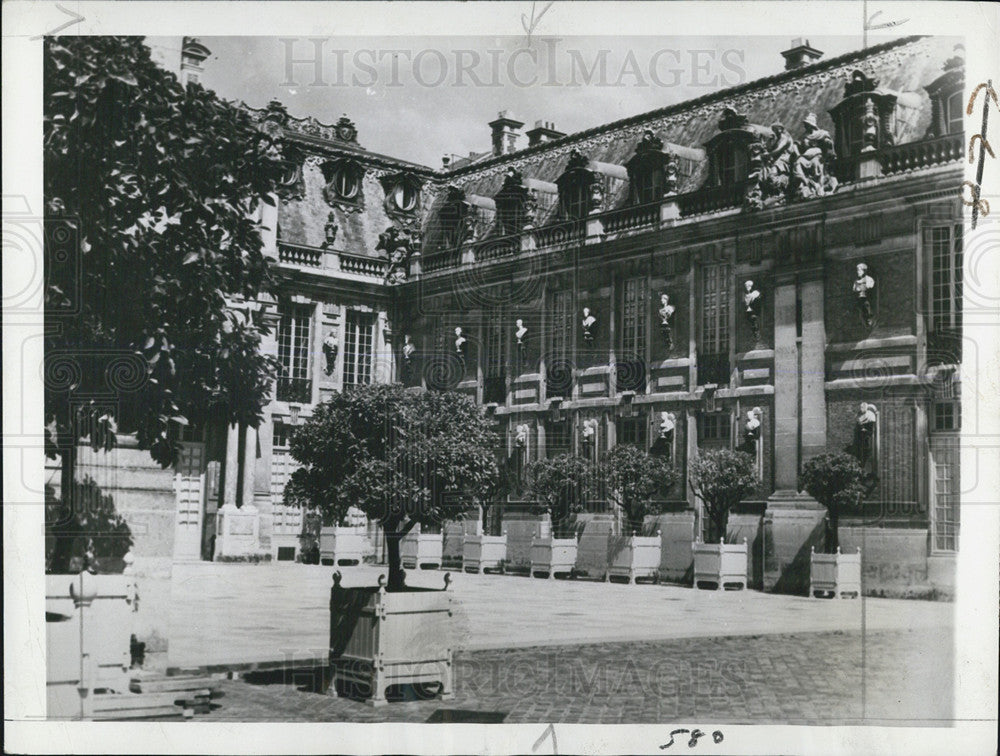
800,54
505,133
193,57
544,131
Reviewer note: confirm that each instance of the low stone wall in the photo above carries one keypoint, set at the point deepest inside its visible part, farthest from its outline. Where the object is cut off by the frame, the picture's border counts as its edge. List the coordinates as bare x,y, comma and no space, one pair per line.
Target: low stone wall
895,563
676,535
521,528
593,531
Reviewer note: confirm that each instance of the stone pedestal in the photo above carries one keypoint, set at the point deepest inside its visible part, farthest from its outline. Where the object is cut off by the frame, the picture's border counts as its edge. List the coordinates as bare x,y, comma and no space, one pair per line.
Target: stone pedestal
793,524
237,532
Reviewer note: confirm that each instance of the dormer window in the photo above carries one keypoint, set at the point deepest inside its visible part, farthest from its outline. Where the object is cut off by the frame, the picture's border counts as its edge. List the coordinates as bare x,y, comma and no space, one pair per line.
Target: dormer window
346,185
454,219
729,150
947,95
731,165
581,189
652,171
865,119
405,197
575,201
954,113
402,193
343,182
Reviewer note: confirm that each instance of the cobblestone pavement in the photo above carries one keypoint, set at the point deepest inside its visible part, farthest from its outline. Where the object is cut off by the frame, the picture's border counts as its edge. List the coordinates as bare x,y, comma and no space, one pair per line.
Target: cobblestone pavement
897,677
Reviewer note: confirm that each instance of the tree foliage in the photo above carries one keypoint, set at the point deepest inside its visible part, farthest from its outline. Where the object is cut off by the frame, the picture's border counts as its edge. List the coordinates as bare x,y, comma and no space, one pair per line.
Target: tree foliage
835,480
401,457
633,477
561,486
722,477
152,191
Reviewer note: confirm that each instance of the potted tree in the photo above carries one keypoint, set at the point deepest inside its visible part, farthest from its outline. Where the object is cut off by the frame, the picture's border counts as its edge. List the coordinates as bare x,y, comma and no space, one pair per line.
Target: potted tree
633,477
559,485
403,459
341,544
487,549
835,480
721,478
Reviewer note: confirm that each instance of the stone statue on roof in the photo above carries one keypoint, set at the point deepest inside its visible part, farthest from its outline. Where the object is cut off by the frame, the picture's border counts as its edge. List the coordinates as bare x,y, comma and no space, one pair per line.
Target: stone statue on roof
814,167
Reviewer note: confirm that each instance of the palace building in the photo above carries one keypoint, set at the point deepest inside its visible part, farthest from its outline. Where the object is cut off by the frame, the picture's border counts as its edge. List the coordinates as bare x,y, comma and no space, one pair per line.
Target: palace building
775,267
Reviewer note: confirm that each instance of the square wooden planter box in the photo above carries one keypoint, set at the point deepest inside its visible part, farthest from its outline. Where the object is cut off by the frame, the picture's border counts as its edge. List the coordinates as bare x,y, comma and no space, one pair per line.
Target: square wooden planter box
341,545
722,565
553,555
638,557
422,550
483,552
105,605
835,575
379,639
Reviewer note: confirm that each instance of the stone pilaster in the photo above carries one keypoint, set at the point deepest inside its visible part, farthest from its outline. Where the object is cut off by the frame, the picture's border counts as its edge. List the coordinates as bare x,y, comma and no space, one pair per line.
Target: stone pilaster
793,520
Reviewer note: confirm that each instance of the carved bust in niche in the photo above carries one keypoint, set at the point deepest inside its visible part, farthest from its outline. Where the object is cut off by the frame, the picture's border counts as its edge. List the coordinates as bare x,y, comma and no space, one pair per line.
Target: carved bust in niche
752,300
588,323
667,424
867,441
666,319
863,284
751,431
521,435
459,342
589,431
408,347
520,331
331,345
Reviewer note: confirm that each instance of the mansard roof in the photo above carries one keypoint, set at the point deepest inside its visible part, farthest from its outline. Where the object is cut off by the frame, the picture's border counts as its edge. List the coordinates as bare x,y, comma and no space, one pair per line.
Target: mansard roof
904,66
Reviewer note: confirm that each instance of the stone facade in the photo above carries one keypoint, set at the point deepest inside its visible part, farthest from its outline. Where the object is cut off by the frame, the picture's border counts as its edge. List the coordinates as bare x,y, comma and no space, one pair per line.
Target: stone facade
381,261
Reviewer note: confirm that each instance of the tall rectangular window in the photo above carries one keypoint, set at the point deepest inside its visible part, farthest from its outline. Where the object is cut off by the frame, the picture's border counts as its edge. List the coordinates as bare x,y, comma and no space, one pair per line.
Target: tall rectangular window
287,520
631,365
943,247
494,359
632,430
359,338
715,430
558,437
294,338
558,360
945,466
713,347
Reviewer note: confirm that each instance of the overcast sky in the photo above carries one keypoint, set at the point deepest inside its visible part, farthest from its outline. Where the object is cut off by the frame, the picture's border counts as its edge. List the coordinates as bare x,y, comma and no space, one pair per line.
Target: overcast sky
419,98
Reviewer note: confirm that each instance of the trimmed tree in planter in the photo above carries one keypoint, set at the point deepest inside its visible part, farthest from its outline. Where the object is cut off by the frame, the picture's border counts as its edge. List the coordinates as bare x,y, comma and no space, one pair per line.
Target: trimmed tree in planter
633,477
835,480
560,485
403,459
721,478
487,549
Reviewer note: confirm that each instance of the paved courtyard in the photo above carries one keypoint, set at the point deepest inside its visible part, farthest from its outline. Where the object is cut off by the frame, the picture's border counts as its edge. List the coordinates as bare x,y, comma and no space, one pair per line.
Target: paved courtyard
232,615
811,678
533,650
